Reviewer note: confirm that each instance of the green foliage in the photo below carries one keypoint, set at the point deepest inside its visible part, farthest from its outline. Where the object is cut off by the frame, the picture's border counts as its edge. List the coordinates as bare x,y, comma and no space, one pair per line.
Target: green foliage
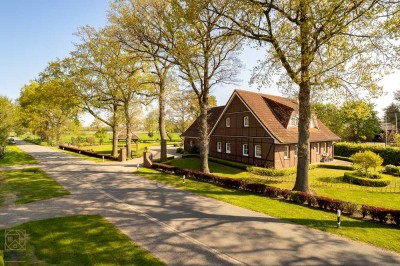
81,240
366,160
391,169
228,163
1,258
336,166
275,172
390,155
7,113
354,178
101,134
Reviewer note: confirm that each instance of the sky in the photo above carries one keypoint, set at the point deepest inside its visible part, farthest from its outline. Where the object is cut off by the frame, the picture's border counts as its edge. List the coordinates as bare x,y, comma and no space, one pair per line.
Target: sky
35,32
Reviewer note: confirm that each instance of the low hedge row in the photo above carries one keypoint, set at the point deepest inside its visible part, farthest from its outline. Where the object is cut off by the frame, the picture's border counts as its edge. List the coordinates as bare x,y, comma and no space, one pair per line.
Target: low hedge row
238,165
88,153
336,166
390,155
381,214
275,172
352,178
297,197
342,158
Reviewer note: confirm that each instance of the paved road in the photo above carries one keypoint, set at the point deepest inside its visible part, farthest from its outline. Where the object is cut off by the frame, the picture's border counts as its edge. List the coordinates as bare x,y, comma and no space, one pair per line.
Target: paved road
182,228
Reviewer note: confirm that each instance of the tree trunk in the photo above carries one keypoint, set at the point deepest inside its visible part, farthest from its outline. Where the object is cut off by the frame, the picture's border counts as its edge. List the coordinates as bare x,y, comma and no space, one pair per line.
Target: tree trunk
304,103
114,152
128,141
161,121
204,134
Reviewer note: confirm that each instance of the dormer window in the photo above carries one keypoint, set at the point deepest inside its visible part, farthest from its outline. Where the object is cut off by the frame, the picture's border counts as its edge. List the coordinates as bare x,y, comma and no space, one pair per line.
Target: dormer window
228,122
246,121
294,120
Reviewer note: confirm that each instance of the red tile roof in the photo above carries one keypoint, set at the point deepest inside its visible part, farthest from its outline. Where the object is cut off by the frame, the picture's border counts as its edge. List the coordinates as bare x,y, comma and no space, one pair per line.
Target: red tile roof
274,113
212,117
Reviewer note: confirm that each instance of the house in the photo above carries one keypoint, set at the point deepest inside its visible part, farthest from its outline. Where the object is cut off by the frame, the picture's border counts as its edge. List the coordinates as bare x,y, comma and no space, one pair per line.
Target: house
260,129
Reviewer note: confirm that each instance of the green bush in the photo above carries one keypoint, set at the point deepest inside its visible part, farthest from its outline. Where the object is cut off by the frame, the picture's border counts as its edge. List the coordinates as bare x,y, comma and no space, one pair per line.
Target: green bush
366,160
336,166
389,155
1,258
353,178
238,165
391,169
276,172
342,158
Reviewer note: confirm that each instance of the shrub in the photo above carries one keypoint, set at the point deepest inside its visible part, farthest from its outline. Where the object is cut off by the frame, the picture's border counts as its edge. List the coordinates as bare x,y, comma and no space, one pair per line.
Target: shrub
395,216
228,182
366,160
228,163
91,140
270,171
391,169
347,159
285,193
390,155
179,150
335,166
352,178
273,192
254,187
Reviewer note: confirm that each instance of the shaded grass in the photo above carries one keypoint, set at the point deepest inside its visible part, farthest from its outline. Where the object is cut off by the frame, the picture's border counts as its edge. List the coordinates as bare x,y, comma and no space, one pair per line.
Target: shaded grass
380,235
323,182
80,240
16,156
28,185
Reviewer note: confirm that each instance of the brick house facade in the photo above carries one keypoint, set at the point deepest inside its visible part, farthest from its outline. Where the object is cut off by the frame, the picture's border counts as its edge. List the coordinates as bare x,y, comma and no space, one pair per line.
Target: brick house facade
260,129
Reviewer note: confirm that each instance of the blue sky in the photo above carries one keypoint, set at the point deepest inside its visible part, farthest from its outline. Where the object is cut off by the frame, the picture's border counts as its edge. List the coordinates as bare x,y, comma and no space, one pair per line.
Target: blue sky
34,32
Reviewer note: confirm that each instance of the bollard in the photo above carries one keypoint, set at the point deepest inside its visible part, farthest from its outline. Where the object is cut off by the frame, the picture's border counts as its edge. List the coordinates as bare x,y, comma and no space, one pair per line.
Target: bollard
338,218
137,167
183,179
102,158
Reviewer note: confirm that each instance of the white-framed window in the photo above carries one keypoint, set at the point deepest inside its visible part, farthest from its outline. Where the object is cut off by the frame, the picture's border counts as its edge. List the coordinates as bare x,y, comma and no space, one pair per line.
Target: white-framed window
246,121
219,146
318,148
296,150
257,151
245,149
325,150
294,119
228,122
228,147
191,143
286,152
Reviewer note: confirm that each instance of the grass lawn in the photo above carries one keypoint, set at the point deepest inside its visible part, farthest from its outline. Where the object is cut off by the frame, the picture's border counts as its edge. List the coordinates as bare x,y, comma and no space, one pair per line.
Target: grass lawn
27,185
373,233
323,182
16,156
80,240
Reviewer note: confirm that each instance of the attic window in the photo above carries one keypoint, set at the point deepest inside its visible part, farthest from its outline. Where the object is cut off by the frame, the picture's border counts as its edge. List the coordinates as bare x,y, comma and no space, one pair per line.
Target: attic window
228,122
246,121
294,120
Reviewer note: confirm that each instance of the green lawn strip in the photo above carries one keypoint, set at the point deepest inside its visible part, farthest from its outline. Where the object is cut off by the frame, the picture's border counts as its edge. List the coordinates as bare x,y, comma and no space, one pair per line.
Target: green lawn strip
80,240
16,156
373,233
29,185
323,182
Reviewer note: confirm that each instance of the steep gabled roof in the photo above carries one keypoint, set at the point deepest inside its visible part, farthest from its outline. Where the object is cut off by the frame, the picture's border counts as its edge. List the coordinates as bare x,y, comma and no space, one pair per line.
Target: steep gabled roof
212,117
274,113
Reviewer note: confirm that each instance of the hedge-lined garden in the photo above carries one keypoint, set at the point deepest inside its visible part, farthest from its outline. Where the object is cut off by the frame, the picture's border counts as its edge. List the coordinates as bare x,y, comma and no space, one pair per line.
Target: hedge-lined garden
390,155
325,203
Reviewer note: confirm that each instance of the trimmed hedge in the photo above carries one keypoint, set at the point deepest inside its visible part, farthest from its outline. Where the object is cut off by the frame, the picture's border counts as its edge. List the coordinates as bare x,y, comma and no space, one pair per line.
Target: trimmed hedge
390,155
238,165
297,197
335,166
342,158
353,178
381,214
88,153
276,172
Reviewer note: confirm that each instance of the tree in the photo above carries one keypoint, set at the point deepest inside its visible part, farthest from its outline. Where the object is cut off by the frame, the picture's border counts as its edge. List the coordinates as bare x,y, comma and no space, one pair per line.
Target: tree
315,46
360,121
366,160
391,112
204,54
109,81
7,111
130,28
330,116
49,106
184,108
